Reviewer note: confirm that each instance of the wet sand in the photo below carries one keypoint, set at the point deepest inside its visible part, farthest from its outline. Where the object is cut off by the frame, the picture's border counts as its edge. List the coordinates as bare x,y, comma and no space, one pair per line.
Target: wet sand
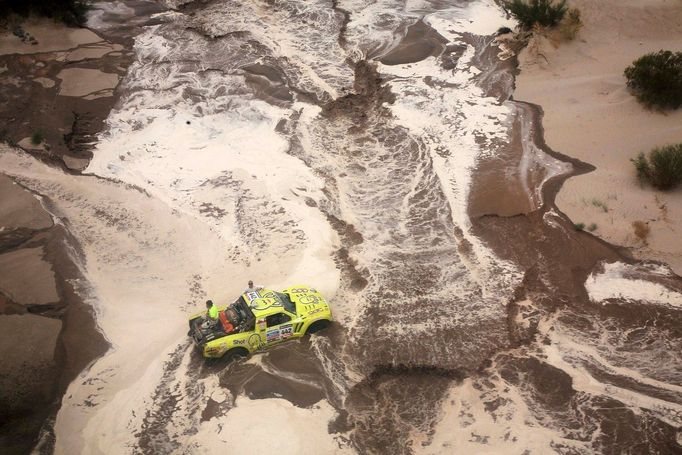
48,334
63,86
590,115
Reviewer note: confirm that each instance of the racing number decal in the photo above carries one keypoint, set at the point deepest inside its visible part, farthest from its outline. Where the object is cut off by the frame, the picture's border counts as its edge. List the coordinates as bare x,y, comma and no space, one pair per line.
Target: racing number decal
280,333
286,331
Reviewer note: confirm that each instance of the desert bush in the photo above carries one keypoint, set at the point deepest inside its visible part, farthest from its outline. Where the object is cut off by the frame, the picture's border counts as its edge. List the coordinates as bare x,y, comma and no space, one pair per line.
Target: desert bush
579,226
37,137
571,24
656,79
71,12
663,167
642,230
542,12
600,204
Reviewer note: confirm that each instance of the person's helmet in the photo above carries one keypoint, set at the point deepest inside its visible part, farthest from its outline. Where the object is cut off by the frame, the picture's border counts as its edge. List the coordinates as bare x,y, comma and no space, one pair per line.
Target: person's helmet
209,303
250,283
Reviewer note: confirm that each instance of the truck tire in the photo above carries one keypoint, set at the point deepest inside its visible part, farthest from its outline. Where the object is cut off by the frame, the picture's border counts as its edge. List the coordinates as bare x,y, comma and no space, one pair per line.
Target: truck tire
317,326
235,354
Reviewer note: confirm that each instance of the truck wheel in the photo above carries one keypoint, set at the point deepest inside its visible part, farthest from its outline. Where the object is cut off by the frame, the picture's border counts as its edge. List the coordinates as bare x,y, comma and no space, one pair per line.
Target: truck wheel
317,326
235,354
191,323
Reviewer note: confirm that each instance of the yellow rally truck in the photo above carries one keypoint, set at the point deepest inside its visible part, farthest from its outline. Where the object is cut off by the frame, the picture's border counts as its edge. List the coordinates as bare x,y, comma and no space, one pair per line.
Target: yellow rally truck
259,319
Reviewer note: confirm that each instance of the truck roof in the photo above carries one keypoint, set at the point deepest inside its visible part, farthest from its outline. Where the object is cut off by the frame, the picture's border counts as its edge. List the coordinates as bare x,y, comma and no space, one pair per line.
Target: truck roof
263,302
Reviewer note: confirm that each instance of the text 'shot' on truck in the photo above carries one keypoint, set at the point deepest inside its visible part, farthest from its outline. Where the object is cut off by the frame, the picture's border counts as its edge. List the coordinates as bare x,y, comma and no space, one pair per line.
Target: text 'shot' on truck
260,319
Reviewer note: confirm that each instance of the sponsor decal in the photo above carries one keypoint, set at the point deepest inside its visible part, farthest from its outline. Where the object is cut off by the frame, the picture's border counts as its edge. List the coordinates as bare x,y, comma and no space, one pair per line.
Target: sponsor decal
286,331
264,303
239,342
261,324
272,335
251,296
315,311
254,340
308,299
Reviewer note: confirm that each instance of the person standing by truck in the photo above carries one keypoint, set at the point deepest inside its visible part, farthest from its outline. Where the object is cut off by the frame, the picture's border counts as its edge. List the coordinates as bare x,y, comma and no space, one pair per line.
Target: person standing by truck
211,311
252,288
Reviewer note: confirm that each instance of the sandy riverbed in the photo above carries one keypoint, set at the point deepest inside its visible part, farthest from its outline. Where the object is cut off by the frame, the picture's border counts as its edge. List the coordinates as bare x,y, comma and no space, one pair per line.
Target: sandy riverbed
590,115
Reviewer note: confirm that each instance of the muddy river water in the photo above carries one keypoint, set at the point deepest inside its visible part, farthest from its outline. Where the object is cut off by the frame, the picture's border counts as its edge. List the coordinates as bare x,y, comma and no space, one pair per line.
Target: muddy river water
373,150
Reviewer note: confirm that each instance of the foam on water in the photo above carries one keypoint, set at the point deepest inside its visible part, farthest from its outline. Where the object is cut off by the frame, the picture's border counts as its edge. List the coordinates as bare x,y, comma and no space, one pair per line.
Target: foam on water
579,360
300,36
218,158
613,285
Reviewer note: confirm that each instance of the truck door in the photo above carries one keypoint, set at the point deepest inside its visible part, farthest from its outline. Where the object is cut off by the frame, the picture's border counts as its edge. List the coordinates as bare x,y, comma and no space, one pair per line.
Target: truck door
257,339
279,328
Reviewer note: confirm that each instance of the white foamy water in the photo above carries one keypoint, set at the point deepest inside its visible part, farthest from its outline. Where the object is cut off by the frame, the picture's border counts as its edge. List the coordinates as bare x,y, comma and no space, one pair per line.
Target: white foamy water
403,182
585,360
617,284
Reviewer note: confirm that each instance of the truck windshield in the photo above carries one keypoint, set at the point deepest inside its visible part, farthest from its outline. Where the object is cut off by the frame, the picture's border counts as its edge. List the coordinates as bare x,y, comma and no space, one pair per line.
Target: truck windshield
286,301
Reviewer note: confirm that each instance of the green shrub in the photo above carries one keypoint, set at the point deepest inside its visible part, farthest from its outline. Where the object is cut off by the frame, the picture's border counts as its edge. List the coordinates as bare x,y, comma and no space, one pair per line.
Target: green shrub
663,168
656,79
579,226
599,204
37,137
572,23
542,12
592,227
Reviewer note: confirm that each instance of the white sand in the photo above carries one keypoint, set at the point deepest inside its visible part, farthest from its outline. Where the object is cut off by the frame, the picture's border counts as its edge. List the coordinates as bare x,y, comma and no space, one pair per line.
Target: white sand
270,426
590,115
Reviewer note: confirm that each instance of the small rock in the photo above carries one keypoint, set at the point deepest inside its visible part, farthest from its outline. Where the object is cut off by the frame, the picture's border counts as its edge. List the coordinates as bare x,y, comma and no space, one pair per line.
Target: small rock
76,164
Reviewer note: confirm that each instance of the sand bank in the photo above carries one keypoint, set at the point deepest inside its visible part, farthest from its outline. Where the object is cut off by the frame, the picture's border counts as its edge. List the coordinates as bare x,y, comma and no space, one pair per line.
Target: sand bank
50,36
590,115
85,81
